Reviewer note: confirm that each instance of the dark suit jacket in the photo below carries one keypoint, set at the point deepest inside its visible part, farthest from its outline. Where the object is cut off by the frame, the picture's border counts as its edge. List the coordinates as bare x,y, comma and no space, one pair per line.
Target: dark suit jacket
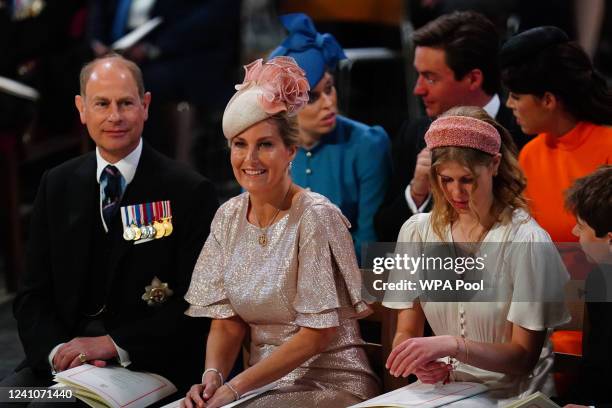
594,378
406,146
49,302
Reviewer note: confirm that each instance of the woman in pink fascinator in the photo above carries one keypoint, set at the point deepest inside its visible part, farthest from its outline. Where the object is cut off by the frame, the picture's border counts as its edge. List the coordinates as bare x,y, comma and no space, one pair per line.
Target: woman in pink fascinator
494,331
278,265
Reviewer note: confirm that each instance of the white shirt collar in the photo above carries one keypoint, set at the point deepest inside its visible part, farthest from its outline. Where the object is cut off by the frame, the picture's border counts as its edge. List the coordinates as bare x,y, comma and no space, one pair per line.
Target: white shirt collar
492,107
127,165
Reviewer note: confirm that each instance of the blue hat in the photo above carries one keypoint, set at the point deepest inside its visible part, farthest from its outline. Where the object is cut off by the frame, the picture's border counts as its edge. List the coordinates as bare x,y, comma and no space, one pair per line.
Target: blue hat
314,52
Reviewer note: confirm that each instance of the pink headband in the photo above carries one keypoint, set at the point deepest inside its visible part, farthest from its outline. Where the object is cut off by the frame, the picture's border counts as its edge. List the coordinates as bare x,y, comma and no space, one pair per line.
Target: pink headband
463,131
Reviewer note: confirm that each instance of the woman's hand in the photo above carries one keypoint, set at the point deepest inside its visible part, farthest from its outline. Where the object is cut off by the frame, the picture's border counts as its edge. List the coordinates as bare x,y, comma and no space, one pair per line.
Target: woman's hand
415,352
433,372
222,396
199,394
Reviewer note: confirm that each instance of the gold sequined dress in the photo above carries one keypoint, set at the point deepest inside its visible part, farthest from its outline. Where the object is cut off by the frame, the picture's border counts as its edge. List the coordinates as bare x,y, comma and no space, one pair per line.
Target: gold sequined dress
306,276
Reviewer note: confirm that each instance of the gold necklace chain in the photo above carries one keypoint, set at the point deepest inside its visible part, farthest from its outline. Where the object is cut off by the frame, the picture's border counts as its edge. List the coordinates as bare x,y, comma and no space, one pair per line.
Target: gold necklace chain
263,236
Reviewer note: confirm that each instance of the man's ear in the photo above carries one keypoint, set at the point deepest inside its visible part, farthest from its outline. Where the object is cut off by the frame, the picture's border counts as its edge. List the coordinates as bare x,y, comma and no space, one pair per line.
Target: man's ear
475,79
146,102
79,102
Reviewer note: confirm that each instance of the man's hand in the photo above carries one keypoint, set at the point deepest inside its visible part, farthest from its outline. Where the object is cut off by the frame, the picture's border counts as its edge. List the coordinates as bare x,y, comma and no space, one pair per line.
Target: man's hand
419,186
96,350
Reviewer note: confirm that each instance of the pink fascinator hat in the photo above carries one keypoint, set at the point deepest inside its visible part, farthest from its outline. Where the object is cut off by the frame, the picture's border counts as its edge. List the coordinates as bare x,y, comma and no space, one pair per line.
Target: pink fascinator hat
463,131
278,85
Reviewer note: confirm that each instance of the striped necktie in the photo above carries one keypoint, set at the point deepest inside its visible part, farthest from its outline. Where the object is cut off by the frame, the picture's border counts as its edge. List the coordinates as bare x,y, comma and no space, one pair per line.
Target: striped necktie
110,186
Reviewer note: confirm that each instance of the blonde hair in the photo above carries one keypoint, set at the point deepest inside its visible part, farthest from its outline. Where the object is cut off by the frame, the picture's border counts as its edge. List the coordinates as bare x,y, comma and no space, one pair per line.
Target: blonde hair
508,184
287,128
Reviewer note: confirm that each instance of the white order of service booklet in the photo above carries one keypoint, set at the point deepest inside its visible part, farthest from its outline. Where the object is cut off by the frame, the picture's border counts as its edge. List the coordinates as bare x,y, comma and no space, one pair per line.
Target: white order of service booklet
247,396
114,387
424,395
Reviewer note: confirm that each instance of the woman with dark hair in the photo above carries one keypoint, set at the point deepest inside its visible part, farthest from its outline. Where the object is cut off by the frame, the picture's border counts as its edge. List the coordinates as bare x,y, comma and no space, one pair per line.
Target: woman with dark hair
278,267
344,160
499,339
556,93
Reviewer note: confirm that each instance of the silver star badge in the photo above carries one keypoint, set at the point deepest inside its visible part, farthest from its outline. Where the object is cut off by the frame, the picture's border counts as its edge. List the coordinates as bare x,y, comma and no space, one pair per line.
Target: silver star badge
157,292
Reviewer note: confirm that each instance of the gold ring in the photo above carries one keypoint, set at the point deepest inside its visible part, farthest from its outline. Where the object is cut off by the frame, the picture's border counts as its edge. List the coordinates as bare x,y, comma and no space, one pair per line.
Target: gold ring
83,357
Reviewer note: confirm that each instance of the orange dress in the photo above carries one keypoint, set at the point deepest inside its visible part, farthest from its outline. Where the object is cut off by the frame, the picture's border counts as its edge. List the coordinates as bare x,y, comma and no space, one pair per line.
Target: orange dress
552,164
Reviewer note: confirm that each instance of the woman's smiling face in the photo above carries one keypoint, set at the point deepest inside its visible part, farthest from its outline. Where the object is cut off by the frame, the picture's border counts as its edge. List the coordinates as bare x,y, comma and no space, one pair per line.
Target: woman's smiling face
260,159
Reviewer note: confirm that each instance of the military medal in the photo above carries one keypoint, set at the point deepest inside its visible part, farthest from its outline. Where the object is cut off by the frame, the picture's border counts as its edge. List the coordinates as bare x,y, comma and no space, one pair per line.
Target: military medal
144,231
137,232
167,219
150,218
130,231
168,228
128,234
134,226
147,221
160,231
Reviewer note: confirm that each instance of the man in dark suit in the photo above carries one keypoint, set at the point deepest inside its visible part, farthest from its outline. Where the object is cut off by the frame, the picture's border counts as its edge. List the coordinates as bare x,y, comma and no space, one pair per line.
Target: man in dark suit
456,62
92,292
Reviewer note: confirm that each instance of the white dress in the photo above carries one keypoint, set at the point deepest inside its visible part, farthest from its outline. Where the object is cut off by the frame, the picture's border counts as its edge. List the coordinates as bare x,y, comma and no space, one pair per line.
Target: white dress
523,270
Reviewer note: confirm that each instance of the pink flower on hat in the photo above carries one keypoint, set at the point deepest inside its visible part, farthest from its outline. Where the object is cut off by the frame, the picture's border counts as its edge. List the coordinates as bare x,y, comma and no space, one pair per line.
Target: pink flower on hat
283,84
251,73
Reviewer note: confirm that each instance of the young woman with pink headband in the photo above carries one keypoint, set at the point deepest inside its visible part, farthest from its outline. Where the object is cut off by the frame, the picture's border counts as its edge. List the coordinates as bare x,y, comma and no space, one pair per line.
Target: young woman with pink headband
497,336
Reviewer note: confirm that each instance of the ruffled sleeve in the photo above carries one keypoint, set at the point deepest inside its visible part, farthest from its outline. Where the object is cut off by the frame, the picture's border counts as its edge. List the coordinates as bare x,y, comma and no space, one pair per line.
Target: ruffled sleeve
206,294
409,243
539,279
328,282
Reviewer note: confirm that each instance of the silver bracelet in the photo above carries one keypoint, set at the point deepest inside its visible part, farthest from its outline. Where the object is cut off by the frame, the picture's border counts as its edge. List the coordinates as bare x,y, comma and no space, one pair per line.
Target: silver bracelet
216,371
236,395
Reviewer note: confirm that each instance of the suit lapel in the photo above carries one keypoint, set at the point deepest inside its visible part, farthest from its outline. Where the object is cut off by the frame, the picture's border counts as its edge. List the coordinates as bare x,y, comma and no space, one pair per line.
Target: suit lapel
137,192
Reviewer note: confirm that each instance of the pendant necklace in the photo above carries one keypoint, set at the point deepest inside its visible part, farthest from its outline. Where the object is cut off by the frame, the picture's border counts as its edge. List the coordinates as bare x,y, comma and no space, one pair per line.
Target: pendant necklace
263,236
